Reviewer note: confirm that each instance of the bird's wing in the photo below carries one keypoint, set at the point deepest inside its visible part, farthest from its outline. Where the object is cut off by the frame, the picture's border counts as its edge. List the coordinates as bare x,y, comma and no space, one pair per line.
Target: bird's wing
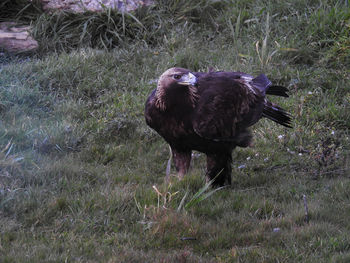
226,106
151,113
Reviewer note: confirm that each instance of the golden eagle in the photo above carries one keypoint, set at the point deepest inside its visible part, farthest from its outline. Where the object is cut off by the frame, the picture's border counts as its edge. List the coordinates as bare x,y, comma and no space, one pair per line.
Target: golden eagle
211,113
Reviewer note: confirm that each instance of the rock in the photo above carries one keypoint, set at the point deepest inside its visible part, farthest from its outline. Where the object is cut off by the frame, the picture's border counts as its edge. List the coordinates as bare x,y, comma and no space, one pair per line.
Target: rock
79,6
16,38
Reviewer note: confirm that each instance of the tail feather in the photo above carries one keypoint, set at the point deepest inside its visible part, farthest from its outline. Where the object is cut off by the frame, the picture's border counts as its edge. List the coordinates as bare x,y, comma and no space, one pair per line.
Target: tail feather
277,91
277,115
272,111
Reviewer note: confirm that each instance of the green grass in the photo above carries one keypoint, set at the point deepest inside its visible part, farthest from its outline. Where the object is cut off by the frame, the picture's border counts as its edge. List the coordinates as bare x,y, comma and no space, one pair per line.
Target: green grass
82,176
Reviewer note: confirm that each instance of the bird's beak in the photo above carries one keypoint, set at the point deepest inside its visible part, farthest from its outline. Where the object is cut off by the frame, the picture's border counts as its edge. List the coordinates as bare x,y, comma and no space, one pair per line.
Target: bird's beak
188,79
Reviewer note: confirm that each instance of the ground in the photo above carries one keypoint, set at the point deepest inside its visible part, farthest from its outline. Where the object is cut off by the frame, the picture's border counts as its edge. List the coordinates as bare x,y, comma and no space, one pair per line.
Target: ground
82,176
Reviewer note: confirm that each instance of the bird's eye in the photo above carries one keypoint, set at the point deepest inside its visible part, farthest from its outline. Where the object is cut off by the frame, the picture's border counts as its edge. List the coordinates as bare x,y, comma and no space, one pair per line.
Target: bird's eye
176,76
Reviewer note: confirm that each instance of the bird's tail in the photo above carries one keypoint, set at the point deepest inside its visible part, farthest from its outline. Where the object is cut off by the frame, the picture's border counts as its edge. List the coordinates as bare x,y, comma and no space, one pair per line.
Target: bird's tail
277,114
272,111
277,91
262,83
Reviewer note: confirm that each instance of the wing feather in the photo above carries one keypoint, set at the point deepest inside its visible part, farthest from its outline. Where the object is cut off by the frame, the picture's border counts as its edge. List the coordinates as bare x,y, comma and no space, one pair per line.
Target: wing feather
226,107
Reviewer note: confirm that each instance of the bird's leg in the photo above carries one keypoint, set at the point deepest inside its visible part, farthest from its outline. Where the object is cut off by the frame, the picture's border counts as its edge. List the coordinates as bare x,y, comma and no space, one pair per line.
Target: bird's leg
182,160
219,168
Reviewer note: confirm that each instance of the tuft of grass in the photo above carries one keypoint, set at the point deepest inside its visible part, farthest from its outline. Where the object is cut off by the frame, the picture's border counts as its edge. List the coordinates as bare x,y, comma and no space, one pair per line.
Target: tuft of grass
199,196
20,10
66,31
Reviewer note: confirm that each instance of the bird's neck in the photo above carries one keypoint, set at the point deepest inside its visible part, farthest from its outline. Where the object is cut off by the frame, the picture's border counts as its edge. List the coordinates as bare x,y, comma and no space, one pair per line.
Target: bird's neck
170,100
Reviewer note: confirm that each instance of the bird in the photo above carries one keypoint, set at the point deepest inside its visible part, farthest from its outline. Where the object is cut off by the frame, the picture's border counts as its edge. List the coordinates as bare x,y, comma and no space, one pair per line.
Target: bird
211,112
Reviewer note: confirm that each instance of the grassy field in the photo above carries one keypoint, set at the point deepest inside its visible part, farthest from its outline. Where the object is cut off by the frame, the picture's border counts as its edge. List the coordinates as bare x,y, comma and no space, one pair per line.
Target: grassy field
82,176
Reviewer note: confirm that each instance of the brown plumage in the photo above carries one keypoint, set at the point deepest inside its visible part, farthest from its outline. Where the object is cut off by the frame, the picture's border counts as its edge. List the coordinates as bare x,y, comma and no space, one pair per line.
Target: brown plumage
210,113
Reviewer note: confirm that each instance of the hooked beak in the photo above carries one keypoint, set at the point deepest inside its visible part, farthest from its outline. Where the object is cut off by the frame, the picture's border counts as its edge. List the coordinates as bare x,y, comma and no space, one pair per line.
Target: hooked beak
188,79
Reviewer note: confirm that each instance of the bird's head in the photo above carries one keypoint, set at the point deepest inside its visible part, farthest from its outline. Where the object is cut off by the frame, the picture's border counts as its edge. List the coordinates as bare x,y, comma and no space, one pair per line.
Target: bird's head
173,84
175,78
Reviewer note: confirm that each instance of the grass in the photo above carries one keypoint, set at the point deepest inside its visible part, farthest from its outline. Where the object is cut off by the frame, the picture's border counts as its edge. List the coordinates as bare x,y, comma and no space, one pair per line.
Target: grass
82,176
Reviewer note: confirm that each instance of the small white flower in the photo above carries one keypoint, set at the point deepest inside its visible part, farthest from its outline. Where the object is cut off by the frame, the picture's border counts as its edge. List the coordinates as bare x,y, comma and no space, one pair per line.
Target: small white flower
266,159
332,132
248,158
310,93
300,154
280,136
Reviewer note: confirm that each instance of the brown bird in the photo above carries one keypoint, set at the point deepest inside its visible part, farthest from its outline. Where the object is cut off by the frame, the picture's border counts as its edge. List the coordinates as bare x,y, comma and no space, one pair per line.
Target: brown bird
211,113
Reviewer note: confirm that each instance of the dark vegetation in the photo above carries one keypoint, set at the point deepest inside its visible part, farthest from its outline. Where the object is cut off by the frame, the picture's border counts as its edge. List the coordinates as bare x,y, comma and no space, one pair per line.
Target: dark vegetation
81,175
